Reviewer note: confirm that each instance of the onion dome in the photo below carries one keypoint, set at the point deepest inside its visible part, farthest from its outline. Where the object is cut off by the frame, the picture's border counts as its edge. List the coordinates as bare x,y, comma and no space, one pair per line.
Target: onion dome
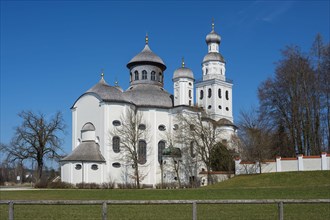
183,72
146,56
213,37
213,56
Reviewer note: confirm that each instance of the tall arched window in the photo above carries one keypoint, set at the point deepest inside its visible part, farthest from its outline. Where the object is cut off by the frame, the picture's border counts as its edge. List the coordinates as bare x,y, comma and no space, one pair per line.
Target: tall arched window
136,75
192,149
153,75
161,147
189,93
142,152
116,144
144,75
160,77
209,94
130,76
227,95
201,95
219,93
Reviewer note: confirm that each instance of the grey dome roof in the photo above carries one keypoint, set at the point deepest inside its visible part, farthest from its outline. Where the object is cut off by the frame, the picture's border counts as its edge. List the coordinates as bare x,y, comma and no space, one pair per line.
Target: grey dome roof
213,56
149,95
147,56
183,72
107,92
88,127
213,37
86,151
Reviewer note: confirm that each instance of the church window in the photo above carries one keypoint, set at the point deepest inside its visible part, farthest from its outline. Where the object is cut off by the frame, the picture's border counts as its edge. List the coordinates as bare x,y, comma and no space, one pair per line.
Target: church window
116,123
175,127
161,127
227,95
219,93
153,75
220,107
190,102
227,109
161,147
116,165
192,149
160,77
142,127
206,70
201,96
95,167
209,107
144,75
116,144
209,94
190,84
136,75
78,166
130,77
189,93
142,152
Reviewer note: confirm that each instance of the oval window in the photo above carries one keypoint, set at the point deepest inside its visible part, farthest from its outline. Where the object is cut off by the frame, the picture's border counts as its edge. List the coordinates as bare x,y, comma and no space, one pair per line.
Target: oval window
175,127
142,126
116,165
95,167
161,127
116,123
78,166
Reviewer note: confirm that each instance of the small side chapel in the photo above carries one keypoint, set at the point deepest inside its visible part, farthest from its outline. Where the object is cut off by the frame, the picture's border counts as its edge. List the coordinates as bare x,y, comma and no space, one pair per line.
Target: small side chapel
95,157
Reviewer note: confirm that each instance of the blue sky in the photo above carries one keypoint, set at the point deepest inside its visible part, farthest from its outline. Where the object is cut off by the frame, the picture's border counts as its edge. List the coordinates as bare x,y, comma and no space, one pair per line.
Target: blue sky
53,51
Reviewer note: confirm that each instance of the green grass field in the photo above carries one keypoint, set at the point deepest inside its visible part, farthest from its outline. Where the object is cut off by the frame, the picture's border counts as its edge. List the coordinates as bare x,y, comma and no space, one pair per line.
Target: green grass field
294,185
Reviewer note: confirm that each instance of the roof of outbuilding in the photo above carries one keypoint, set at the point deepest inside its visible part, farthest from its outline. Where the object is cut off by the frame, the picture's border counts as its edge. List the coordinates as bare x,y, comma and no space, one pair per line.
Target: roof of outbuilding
213,56
86,151
147,56
149,95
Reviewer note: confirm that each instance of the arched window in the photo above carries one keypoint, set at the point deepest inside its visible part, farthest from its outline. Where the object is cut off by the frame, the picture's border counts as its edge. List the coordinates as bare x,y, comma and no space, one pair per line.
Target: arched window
189,93
162,127
153,75
130,76
160,77
227,95
144,75
219,93
116,144
116,123
78,167
209,94
136,75
142,152
201,96
161,147
192,149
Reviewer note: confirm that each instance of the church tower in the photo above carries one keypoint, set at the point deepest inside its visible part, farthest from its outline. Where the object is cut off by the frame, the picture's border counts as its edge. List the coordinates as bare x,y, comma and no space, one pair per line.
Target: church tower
183,84
214,91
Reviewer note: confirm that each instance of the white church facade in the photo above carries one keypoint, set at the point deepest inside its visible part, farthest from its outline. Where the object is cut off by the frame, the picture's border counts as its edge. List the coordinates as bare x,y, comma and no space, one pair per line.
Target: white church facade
96,155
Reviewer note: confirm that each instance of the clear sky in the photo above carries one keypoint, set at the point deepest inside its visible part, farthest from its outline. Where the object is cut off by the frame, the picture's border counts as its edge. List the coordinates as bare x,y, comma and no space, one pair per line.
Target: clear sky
53,51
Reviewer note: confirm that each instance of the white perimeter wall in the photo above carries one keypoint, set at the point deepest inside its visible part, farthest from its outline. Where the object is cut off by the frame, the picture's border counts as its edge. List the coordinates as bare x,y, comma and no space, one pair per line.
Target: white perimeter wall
301,163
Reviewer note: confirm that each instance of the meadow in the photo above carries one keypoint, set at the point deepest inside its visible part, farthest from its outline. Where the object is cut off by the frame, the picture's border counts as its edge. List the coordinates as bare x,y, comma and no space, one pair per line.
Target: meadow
291,185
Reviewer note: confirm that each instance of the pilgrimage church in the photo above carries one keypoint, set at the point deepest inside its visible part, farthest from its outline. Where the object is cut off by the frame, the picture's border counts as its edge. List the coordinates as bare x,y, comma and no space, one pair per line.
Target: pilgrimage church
96,155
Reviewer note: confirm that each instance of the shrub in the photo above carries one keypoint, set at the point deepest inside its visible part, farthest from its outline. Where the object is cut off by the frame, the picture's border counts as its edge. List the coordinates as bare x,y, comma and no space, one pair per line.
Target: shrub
60,185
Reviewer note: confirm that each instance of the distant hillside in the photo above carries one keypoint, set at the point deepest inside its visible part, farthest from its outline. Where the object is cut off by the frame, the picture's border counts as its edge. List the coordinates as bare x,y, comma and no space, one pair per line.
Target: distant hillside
277,180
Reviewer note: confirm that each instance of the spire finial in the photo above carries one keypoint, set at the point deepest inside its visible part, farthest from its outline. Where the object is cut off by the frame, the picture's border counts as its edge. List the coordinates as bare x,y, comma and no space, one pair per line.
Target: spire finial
102,73
182,61
147,38
212,24
116,82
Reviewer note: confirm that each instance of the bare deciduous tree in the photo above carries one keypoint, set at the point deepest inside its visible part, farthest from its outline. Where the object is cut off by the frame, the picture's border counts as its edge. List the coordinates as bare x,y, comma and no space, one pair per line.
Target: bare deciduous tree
36,138
203,132
256,137
297,98
134,138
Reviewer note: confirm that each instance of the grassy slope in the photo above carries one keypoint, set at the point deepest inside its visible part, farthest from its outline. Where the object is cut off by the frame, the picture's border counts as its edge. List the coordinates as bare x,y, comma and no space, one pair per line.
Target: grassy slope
295,185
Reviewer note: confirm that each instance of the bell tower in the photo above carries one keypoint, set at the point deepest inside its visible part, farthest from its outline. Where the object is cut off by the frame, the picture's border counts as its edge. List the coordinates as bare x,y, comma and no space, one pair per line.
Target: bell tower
214,91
